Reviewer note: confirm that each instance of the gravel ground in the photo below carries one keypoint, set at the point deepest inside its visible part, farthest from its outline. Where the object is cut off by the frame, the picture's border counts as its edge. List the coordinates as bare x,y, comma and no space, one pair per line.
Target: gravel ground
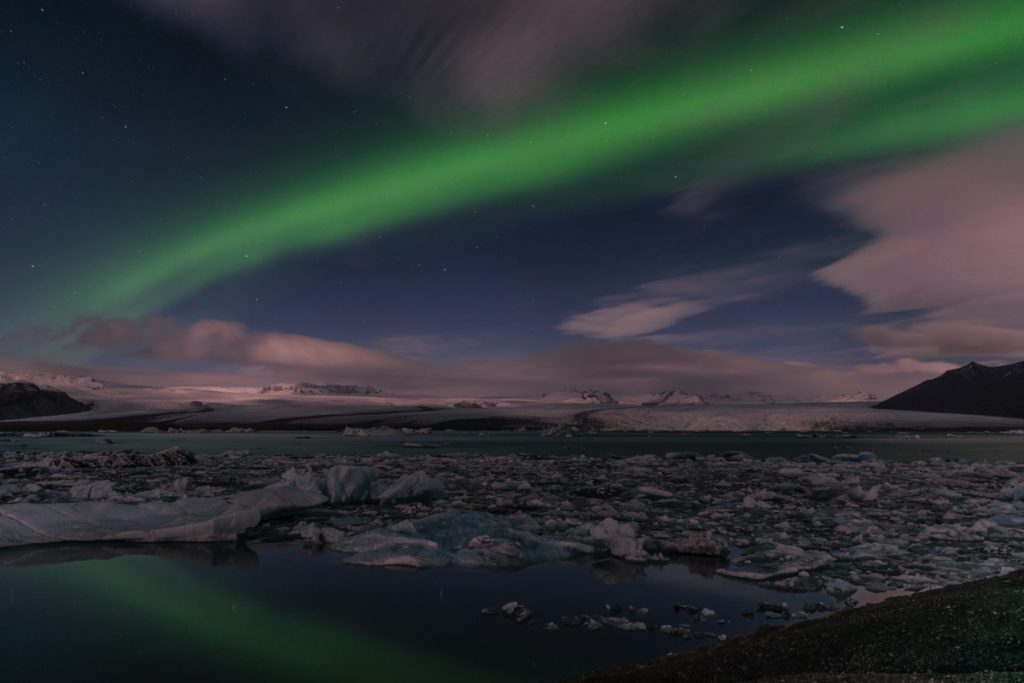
970,632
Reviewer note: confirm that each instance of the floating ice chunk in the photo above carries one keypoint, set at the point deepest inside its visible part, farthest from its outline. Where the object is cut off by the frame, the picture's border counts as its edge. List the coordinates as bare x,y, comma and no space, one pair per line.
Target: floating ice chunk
696,543
128,458
458,537
92,490
349,483
870,550
310,533
759,500
621,539
411,487
863,456
840,588
869,496
653,492
277,499
776,561
1009,521
516,612
387,548
1014,491
187,519
301,479
632,626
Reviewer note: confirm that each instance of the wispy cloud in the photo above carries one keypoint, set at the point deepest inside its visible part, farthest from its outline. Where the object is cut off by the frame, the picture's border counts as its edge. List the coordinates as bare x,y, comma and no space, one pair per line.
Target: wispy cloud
221,341
936,338
947,250
661,304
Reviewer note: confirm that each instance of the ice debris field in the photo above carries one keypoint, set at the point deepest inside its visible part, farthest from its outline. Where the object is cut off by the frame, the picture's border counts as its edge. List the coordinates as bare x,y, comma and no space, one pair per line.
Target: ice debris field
849,526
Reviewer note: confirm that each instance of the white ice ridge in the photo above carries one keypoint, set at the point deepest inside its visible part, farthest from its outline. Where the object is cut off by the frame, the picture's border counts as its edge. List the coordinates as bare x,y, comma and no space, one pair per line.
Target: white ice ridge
183,520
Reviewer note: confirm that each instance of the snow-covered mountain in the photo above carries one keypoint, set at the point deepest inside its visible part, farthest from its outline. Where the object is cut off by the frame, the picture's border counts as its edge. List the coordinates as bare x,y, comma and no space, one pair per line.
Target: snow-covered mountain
24,399
49,380
310,389
580,396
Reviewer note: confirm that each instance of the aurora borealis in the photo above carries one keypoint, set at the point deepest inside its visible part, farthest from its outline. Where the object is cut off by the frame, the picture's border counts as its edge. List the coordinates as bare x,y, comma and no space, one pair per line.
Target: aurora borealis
787,99
633,221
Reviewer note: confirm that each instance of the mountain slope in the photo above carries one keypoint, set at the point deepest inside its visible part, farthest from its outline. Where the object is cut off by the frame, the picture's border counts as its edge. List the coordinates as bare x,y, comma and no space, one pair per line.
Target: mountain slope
974,389
22,399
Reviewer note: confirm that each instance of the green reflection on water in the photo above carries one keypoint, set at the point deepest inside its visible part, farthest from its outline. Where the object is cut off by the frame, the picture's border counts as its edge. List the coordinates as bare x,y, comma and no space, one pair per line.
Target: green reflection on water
245,634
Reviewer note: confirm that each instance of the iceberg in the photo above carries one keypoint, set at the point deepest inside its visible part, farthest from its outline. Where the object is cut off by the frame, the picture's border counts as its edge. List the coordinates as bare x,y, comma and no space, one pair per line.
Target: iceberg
191,520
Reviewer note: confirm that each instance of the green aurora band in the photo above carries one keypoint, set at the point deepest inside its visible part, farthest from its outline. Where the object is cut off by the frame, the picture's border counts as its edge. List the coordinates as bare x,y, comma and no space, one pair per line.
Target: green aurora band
768,96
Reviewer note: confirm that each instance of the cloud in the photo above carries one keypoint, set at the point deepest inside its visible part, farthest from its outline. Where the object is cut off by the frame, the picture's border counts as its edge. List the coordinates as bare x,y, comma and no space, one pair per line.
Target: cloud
947,250
632,318
908,367
222,341
932,339
490,54
661,304
228,353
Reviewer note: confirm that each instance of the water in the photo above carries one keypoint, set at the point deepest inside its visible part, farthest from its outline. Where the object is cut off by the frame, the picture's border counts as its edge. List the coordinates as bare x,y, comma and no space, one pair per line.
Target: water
268,612
896,446
278,613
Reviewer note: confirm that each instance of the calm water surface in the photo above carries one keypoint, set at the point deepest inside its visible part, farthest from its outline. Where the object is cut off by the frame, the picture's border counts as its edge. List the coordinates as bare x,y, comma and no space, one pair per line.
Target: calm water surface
275,613
278,613
898,446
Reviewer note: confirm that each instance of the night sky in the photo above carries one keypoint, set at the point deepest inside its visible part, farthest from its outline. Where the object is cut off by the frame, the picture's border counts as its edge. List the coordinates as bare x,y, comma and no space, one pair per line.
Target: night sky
513,196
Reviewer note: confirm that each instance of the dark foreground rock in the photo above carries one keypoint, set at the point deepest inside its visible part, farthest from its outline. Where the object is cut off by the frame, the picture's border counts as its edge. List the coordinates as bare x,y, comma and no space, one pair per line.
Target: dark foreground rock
970,632
20,400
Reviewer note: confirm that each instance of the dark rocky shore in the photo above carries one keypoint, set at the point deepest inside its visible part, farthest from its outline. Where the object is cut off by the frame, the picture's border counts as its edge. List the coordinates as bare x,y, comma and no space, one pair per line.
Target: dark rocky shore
969,632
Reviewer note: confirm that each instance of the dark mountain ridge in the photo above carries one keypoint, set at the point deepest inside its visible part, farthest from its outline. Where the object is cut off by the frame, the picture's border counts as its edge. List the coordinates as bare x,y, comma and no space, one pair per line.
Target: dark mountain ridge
23,399
974,389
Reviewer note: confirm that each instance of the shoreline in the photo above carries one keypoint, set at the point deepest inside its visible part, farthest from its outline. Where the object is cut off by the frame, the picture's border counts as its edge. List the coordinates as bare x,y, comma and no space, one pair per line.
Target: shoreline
971,629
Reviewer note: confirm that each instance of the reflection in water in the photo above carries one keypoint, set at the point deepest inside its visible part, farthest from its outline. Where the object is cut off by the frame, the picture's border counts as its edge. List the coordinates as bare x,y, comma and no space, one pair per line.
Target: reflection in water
705,566
305,617
614,571
250,636
222,555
